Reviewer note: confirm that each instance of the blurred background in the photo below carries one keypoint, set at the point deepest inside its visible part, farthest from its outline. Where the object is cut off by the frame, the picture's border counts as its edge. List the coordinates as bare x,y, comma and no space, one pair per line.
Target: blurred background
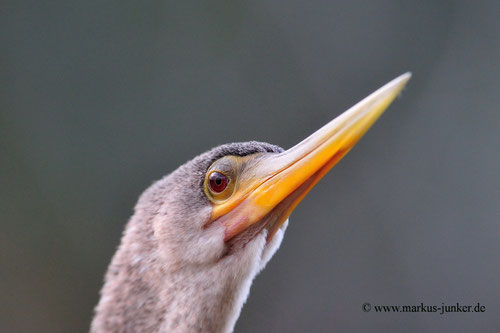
101,98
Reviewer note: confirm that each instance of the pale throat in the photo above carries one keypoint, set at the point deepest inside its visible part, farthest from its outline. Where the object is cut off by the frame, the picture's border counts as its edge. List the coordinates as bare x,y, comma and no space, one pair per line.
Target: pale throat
209,298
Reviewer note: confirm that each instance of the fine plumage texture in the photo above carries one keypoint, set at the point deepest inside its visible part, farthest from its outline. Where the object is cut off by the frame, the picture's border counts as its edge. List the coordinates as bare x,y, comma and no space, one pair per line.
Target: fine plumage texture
170,274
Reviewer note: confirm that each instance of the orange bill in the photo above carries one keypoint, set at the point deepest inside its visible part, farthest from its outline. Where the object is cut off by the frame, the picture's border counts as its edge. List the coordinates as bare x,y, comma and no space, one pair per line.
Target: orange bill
272,185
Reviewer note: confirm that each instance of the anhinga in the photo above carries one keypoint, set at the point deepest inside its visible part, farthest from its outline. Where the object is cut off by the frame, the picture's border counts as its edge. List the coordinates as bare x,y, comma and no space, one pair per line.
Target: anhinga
200,235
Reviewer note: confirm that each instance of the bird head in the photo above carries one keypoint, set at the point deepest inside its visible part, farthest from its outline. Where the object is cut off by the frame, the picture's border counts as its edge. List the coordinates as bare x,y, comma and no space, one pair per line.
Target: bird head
239,194
200,235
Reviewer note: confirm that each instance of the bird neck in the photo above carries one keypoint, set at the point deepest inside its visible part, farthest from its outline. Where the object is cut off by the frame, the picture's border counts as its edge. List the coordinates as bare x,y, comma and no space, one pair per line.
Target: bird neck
143,292
202,299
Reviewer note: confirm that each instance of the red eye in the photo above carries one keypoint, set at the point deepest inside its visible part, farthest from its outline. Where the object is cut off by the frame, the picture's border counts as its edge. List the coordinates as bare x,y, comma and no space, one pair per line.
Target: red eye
218,182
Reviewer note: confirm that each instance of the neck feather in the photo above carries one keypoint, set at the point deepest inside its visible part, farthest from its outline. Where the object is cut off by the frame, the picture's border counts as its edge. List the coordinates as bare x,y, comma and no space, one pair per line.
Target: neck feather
144,293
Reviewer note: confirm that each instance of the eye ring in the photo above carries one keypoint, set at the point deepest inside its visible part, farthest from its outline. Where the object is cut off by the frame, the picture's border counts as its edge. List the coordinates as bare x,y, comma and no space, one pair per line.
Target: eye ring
217,182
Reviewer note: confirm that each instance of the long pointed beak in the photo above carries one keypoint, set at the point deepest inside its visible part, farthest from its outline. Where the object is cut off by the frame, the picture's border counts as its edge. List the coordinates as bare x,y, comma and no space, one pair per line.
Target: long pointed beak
280,181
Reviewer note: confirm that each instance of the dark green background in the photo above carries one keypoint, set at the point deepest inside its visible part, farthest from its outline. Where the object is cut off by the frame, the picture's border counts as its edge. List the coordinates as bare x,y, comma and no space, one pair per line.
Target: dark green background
100,98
